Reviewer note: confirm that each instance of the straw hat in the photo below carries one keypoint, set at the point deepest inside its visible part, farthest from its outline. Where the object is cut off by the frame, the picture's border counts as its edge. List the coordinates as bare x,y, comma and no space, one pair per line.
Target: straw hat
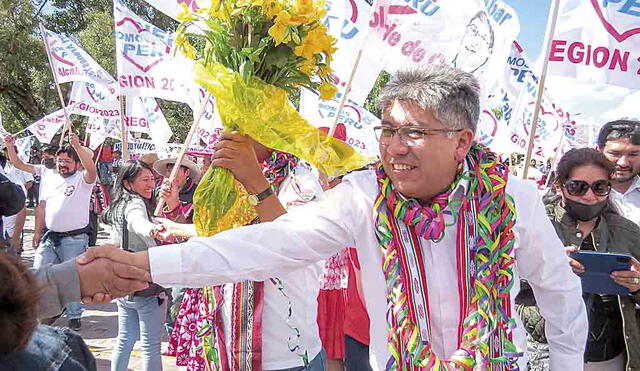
149,158
161,167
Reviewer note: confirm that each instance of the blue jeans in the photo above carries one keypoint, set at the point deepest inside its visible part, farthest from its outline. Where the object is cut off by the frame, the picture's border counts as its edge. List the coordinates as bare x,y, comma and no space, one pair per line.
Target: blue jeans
139,317
318,363
69,248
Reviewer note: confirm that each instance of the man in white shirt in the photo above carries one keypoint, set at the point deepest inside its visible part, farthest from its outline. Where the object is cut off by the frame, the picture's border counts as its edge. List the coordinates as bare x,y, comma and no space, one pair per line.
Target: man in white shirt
443,234
620,142
67,196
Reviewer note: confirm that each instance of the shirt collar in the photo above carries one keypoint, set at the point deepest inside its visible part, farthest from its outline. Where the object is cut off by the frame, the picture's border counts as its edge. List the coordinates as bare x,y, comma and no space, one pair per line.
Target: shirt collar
635,186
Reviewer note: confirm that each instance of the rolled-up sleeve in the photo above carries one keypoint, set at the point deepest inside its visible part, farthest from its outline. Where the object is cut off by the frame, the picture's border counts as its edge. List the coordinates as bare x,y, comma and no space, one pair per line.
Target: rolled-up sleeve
305,235
542,261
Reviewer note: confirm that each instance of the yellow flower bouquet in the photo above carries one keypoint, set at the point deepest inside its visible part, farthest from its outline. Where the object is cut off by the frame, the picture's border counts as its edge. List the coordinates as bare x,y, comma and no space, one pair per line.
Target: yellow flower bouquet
250,54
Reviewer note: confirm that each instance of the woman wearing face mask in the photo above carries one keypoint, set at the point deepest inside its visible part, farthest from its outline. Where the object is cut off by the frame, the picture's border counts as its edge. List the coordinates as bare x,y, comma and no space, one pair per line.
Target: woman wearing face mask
581,215
141,313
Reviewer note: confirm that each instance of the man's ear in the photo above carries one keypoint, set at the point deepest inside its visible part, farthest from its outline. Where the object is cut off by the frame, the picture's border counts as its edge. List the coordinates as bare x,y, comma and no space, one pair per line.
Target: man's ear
465,141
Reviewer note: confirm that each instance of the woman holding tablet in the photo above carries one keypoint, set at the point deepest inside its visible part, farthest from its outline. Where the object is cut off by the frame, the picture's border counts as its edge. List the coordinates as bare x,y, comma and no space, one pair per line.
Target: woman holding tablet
580,213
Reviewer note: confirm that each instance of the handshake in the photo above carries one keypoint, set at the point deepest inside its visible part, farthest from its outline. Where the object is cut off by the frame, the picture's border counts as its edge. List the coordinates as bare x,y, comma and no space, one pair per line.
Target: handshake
107,272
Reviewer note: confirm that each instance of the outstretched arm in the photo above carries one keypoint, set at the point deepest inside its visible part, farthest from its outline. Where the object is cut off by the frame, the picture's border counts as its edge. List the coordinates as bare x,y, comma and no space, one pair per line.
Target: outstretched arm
303,236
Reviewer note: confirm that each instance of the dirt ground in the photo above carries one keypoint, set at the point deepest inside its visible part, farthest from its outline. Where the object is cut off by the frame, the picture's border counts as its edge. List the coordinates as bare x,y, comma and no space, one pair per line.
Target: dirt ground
99,322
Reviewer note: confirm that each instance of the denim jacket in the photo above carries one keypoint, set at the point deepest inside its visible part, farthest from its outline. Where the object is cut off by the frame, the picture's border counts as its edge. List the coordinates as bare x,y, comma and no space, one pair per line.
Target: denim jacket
51,349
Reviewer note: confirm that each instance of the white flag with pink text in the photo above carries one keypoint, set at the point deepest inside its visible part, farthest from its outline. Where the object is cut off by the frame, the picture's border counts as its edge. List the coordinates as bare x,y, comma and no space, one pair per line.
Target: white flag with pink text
46,128
71,63
598,41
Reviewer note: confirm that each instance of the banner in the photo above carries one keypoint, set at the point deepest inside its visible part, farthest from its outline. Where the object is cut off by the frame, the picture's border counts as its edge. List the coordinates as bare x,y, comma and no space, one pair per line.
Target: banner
71,63
598,41
357,121
139,147
46,128
146,64
506,126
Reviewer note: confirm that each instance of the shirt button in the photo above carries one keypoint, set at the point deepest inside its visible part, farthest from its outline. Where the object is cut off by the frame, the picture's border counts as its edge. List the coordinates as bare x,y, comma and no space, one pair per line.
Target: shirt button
579,234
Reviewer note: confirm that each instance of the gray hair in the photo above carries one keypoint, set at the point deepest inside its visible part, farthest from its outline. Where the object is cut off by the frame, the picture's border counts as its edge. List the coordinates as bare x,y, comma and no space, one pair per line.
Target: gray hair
450,93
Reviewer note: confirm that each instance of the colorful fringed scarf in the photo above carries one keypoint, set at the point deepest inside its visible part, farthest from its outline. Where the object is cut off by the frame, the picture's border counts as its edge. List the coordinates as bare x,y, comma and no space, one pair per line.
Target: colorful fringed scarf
245,347
484,217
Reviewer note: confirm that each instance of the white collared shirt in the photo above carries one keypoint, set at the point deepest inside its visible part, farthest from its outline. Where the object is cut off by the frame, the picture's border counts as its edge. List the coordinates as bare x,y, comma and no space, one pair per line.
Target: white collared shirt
344,216
628,203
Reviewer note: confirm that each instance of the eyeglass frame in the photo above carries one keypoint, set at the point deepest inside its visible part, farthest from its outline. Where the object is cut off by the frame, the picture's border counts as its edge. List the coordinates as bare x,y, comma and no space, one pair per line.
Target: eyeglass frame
377,130
589,186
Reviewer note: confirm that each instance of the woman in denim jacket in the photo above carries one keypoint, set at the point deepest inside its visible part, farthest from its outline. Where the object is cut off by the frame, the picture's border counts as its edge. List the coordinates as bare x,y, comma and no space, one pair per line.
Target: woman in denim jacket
131,226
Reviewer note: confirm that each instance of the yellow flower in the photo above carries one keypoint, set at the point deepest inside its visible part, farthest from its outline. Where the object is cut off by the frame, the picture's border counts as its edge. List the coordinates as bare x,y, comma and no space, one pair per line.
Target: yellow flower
325,70
279,33
327,90
316,41
185,47
185,15
307,67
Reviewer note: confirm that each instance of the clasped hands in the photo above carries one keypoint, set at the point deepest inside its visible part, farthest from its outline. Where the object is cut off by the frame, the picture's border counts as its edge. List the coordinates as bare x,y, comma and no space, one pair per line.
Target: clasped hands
107,272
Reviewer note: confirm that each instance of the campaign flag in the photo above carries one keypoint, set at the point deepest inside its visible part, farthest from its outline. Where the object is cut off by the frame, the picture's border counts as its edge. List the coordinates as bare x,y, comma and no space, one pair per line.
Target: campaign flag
23,146
113,129
146,63
93,100
96,127
507,125
598,41
71,63
473,35
138,147
358,122
210,126
46,128
351,32
159,129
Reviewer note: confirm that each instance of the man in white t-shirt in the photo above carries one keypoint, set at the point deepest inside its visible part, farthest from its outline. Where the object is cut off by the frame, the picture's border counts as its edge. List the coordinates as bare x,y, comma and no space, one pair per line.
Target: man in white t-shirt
67,196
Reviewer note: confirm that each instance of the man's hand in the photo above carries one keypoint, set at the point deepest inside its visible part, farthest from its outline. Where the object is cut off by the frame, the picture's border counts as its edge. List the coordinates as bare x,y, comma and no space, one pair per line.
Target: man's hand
167,230
74,140
629,279
10,140
139,260
235,152
102,279
576,266
35,242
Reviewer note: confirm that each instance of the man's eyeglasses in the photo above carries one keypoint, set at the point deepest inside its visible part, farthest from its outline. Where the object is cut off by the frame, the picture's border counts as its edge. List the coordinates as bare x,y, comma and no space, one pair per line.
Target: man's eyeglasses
580,187
409,135
65,162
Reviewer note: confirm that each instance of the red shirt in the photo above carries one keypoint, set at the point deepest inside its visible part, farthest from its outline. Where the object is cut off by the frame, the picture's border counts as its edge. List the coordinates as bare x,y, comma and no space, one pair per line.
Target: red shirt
356,318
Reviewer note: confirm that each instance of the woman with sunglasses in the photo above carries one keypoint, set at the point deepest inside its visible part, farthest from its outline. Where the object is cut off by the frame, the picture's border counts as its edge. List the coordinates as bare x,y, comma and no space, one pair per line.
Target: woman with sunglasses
579,210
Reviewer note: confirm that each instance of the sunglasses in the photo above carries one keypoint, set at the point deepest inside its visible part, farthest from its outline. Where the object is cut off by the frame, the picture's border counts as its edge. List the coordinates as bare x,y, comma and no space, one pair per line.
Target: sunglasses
580,187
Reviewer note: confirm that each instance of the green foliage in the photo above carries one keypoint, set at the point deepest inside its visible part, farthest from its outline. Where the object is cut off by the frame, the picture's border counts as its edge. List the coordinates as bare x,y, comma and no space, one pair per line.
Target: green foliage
372,99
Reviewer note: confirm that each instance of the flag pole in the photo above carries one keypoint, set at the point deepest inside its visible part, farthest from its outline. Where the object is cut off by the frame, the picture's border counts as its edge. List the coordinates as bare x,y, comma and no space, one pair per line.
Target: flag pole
67,125
551,26
347,87
123,129
185,147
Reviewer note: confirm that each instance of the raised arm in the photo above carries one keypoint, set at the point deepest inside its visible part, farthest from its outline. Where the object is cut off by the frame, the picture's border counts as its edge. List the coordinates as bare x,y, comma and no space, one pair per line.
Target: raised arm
86,159
13,156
